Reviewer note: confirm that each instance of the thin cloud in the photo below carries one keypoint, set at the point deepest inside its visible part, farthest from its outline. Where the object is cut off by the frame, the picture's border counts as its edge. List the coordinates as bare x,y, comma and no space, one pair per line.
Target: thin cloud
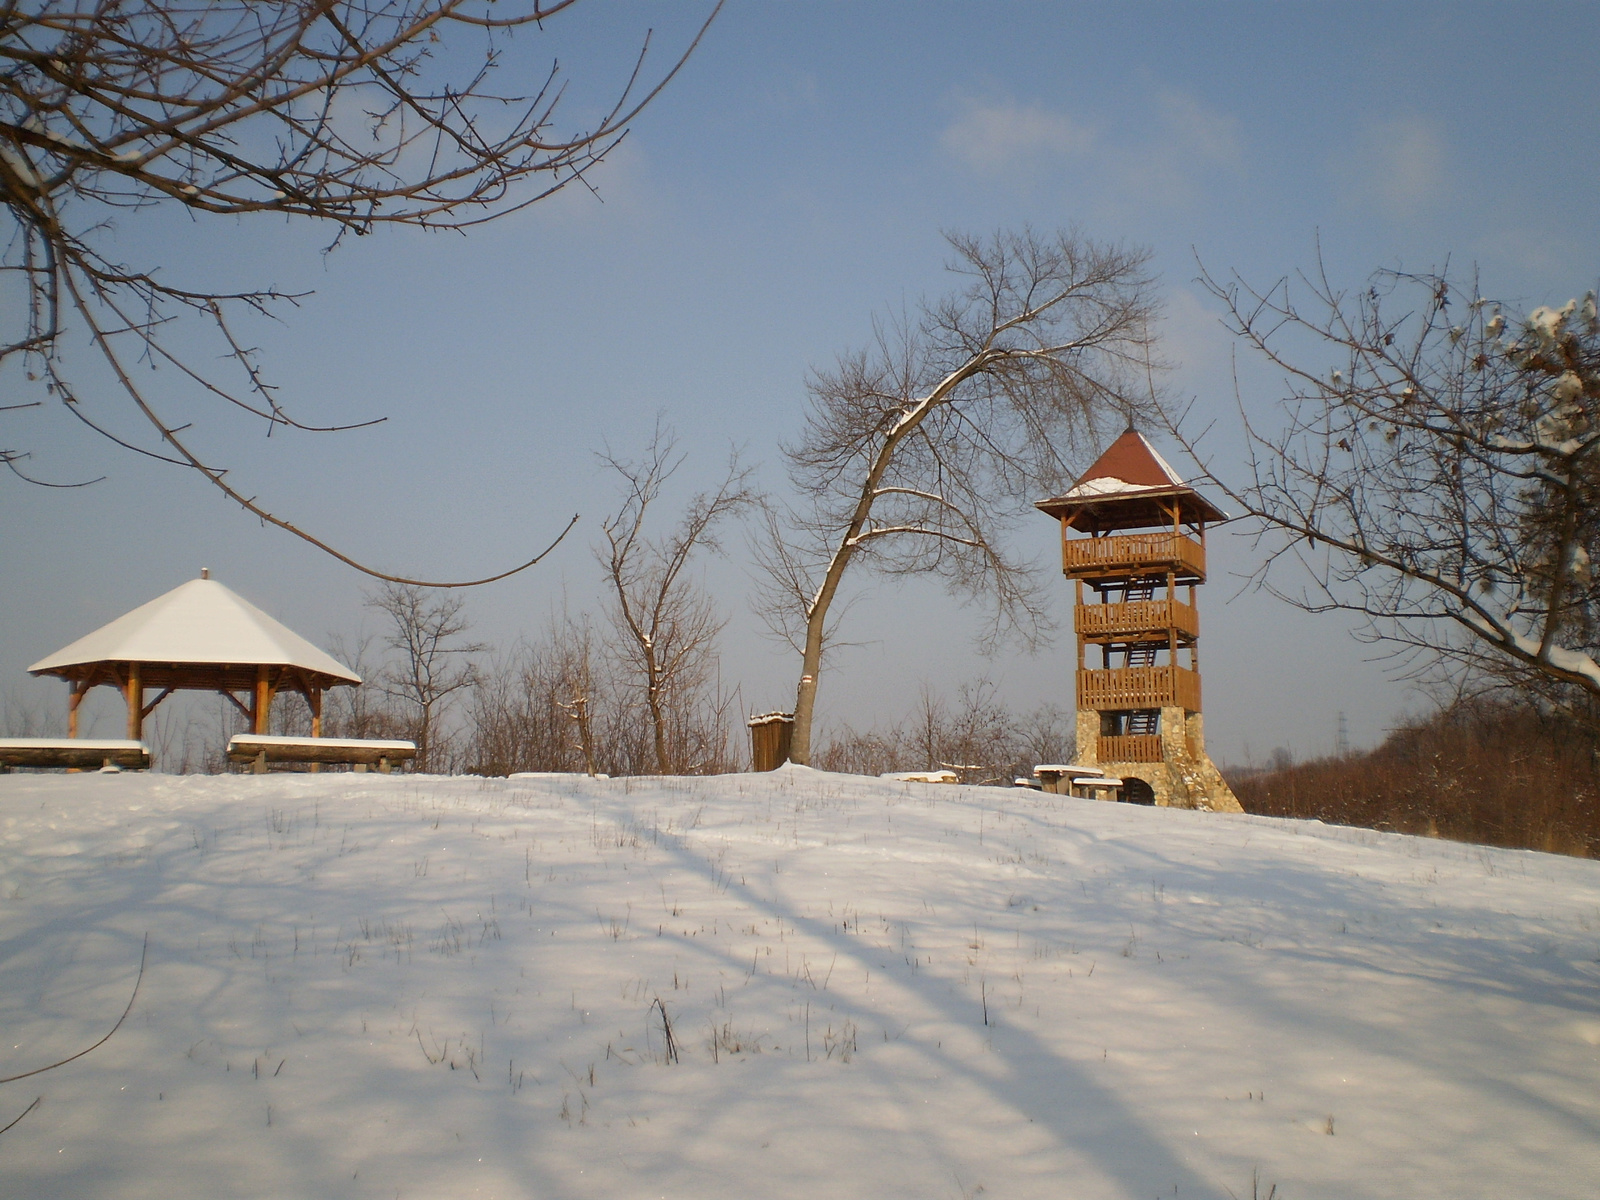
1160,155
1399,167
620,186
990,135
1198,132
1184,146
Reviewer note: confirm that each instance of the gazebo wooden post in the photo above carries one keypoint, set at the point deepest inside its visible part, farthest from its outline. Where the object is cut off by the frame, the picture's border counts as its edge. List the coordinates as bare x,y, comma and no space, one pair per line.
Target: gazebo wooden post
135,694
314,701
80,689
261,702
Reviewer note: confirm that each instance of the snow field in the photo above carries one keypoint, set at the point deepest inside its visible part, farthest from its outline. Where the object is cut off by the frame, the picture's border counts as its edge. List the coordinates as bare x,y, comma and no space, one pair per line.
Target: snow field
428,987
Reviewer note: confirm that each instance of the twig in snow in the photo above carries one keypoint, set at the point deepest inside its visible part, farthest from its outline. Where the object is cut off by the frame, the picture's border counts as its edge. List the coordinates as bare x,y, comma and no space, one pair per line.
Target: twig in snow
36,1102
666,1028
143,954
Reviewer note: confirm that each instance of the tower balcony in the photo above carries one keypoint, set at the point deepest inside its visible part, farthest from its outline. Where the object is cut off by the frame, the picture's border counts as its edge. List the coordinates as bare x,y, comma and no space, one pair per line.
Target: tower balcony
1135,620
1131,747
1139,687
1133,554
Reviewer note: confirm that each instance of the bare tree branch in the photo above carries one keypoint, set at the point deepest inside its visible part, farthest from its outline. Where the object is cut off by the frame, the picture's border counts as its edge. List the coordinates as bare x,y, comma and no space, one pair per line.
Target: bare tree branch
351,114
920,452
1437,472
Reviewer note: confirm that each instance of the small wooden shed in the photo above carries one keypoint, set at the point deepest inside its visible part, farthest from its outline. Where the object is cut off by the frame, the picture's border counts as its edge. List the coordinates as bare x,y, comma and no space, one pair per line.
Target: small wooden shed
197,637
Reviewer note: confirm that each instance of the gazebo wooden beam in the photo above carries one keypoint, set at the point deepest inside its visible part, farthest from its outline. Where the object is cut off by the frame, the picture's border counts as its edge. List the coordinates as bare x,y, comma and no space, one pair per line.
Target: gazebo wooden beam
151,707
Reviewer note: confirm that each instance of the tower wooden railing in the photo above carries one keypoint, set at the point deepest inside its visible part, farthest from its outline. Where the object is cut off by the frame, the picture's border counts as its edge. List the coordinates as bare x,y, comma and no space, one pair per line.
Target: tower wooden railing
1136,616
1088,556
1139,687
1131,747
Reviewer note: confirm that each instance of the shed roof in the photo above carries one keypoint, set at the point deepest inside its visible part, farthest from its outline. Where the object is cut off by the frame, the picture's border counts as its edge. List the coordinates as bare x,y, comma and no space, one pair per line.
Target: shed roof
200,624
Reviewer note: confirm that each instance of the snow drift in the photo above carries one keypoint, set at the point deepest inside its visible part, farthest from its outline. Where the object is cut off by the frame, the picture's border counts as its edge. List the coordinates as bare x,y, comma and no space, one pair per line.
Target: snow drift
428,987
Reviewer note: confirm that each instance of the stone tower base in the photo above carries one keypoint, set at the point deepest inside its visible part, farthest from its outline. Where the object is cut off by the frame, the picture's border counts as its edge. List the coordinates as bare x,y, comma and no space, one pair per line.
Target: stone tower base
1186,778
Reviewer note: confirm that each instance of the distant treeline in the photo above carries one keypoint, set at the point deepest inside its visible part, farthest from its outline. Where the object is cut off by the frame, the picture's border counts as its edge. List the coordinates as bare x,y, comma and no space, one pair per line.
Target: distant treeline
1491,772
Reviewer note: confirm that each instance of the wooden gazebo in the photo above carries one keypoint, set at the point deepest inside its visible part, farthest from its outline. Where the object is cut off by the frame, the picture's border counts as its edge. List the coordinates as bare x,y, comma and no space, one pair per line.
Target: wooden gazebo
197,637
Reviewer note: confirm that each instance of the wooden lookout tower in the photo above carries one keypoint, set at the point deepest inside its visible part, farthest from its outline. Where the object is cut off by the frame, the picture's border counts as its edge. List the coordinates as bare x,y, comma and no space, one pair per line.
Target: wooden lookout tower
1132,535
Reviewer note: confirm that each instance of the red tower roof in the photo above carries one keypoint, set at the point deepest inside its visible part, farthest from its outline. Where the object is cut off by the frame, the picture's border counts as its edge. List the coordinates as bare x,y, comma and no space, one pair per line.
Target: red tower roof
1131,460
1128,487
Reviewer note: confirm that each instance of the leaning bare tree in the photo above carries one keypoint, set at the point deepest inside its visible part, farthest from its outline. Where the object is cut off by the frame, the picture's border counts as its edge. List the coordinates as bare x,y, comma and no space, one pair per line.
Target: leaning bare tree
667,623
1438,473
433,662
919,453
347,114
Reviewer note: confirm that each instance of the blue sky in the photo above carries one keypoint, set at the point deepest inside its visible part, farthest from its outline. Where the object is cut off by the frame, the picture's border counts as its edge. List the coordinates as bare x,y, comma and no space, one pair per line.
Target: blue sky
792,183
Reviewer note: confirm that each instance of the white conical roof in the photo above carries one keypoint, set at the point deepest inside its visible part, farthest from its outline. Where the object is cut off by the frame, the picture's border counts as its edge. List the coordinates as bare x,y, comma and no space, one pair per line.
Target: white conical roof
201,623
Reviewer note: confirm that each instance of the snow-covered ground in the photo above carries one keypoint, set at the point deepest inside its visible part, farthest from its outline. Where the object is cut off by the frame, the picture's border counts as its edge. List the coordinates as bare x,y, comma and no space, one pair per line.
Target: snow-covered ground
361,985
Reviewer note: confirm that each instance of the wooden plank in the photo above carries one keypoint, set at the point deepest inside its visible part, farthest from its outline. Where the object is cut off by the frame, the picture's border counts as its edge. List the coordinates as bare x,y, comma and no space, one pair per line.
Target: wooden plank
314,699
771,735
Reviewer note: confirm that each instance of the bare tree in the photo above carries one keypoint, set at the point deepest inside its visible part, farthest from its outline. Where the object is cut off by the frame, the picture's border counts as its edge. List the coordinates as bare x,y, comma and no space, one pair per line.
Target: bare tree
1046,735
518,721
667,623
359,712
980,744
349,114
919,452
979,737
871,752
556,703
586,695
1437,474
434,662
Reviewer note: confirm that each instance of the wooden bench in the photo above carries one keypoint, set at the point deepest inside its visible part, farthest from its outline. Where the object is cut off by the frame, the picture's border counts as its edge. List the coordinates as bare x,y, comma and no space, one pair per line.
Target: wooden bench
361,753
1058,778
920,776
1087,787
73,752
